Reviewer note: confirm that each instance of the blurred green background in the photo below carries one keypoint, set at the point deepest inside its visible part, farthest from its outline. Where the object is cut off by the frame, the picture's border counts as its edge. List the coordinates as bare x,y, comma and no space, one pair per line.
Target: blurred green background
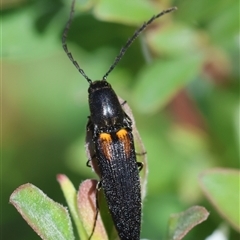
181,79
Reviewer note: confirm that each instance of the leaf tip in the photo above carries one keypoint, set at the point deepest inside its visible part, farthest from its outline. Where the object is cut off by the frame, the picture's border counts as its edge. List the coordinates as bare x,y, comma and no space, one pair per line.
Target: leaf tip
61,178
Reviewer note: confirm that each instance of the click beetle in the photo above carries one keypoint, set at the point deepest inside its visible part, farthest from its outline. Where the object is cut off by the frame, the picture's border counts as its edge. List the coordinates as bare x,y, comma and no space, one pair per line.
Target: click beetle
109,130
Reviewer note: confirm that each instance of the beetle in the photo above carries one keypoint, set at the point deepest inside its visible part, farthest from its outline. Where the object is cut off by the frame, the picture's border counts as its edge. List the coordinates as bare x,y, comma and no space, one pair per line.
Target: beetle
109,132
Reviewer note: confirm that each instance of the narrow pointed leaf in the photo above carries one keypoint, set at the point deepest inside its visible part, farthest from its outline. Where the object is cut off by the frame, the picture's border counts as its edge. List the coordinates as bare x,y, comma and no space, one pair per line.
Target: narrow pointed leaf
70,195
87,210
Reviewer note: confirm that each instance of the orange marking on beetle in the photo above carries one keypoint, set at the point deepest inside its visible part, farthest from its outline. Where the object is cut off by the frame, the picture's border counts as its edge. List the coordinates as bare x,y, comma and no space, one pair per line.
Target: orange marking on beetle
122,133
105,137
124,138
105,143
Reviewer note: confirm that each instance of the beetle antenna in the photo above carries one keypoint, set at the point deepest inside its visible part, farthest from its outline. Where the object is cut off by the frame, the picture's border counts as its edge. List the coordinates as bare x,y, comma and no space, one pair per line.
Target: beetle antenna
135,35
64,44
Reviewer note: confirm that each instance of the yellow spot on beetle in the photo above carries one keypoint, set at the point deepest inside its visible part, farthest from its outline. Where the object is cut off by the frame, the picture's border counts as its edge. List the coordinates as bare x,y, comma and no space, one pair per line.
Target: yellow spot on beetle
105,142
124,139
122,133
105,137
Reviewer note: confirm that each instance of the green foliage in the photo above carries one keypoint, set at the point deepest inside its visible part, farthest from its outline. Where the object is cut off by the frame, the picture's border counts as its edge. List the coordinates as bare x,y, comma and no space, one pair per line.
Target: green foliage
150,97
221,187
49,220
185,99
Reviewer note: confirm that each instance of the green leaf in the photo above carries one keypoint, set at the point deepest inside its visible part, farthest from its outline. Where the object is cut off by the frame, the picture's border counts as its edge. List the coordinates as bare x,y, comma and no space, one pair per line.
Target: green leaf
48,219
158,82
128,12
221,187
181,223
70,195
27,41
163,40
224,28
